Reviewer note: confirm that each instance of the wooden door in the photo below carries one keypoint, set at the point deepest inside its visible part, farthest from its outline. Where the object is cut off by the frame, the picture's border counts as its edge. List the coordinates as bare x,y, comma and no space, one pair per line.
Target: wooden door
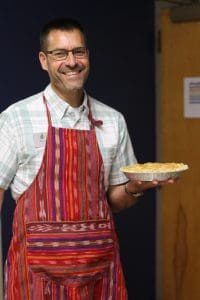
180,142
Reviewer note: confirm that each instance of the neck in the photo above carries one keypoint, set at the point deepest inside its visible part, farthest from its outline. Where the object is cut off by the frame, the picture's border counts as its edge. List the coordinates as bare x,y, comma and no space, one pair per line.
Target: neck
74,97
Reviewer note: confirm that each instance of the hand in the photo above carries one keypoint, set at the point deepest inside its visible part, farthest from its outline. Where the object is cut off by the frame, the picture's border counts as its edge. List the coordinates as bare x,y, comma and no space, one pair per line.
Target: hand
141,186
119,199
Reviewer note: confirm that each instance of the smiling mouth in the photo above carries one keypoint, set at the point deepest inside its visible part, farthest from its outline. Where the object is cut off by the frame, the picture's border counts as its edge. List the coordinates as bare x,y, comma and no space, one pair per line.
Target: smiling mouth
72,73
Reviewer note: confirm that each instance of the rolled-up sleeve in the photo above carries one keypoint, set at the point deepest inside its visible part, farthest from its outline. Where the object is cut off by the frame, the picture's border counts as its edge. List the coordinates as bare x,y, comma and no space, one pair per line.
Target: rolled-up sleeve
8,151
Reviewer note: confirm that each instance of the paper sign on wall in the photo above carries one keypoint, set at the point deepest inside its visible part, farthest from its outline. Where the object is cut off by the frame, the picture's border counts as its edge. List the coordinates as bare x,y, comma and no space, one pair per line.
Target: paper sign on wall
192,97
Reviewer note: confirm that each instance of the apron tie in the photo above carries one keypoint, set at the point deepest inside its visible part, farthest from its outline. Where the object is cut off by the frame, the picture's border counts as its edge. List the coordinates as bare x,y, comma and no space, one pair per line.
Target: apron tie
96,122
90,117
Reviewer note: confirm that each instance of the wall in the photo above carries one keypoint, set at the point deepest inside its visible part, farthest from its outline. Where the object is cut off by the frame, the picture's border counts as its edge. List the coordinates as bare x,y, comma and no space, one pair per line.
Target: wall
121,41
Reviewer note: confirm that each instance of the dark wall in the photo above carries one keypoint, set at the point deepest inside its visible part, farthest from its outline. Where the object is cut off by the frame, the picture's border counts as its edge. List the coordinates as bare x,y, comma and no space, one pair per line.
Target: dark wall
121,42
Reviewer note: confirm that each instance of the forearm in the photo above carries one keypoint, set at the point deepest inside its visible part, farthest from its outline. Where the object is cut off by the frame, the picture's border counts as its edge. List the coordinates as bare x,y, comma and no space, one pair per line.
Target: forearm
121,197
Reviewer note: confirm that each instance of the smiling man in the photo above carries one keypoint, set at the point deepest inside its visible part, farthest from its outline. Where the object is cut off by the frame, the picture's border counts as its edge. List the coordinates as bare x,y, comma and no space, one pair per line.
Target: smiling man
61,151
65,57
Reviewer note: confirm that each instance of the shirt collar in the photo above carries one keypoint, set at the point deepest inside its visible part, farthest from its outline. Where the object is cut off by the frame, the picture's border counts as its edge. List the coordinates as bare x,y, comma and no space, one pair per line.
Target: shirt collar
60,107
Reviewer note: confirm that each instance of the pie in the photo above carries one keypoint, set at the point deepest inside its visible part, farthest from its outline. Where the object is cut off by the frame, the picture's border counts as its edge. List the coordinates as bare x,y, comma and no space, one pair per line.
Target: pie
154,167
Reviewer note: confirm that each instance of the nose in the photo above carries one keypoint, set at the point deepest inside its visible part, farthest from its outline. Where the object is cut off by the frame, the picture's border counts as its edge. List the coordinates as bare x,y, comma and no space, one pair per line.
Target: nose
70,59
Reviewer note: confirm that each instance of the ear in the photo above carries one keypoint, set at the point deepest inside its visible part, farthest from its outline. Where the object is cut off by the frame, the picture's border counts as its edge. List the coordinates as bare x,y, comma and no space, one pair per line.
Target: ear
43,60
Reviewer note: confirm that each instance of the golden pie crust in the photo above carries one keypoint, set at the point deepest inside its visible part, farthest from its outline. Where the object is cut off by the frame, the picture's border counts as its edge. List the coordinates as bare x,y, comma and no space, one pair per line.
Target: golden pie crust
155,167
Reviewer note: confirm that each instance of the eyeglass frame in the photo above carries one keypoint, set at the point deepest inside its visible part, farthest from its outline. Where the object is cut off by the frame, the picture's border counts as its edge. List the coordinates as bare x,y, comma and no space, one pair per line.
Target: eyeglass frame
67,52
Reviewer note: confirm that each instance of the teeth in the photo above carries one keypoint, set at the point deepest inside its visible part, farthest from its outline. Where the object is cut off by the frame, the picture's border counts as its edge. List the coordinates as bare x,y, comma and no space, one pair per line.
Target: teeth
72,73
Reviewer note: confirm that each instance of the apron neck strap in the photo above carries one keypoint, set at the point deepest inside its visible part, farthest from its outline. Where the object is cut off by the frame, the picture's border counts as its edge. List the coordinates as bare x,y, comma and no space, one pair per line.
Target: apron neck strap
93,122
47,110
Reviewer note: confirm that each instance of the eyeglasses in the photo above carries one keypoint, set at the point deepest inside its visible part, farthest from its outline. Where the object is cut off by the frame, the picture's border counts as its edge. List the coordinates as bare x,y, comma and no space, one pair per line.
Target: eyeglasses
61,54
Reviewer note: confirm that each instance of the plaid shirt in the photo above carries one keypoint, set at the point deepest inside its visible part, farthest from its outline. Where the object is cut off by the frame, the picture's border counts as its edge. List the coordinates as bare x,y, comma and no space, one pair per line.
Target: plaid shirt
23,130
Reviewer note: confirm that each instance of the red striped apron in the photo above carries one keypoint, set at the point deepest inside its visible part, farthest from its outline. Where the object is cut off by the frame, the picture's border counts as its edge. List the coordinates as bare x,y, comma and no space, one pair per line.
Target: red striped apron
64,245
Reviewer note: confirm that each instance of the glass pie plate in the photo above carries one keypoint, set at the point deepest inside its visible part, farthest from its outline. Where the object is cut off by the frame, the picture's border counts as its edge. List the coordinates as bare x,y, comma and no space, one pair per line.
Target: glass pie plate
154,171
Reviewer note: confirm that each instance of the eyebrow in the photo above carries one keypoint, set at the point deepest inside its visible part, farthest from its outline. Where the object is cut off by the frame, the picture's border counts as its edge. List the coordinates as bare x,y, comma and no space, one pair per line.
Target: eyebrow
67,49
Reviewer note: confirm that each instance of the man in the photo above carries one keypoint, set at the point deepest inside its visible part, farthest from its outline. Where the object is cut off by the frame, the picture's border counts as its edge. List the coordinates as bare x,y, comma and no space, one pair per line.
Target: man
61,151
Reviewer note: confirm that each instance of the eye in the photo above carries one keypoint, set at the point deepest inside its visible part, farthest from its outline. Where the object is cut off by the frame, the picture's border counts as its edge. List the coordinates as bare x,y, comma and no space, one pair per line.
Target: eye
80,52
58,54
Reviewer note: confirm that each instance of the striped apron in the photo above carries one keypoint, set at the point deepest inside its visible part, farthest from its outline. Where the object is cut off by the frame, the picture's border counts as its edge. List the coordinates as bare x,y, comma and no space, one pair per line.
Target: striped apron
64,245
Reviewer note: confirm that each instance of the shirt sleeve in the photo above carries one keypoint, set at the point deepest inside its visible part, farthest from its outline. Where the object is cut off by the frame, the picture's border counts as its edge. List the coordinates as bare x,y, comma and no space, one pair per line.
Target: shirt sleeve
8,152
124,154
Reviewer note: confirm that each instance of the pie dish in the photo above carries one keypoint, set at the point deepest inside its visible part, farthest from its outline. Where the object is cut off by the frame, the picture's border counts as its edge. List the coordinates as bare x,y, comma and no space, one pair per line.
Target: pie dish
154,171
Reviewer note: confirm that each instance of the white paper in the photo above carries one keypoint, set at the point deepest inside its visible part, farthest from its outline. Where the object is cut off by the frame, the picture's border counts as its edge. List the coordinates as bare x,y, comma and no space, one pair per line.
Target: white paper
192,97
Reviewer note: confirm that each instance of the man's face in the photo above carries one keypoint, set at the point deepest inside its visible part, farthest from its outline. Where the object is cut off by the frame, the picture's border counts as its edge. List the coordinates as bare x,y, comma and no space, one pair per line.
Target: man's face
69,74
